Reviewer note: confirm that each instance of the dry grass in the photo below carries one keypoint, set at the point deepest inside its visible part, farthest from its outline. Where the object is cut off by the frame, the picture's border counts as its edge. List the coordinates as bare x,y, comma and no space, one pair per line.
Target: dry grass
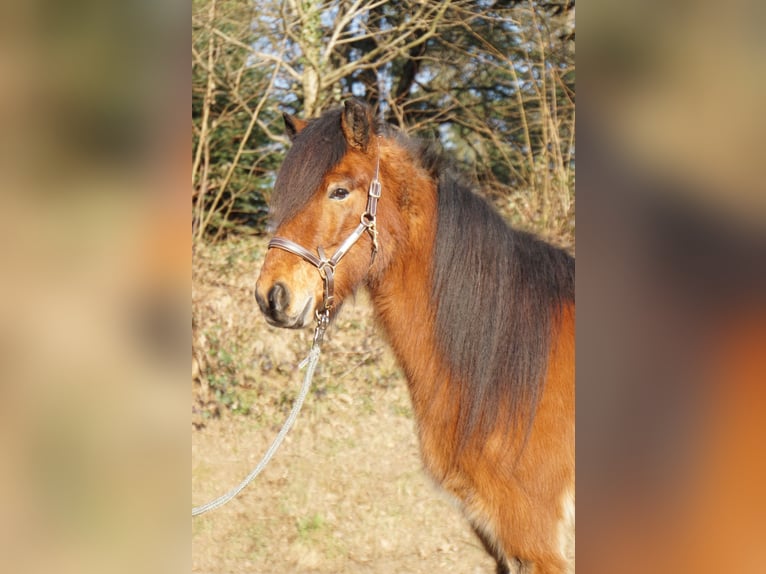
346,492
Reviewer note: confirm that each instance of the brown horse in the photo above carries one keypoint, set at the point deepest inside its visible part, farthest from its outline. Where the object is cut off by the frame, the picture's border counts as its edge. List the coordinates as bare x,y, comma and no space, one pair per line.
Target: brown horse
480,316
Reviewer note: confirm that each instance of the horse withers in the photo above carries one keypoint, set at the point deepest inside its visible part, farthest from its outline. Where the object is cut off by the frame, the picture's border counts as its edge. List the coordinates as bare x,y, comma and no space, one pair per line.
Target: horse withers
480,316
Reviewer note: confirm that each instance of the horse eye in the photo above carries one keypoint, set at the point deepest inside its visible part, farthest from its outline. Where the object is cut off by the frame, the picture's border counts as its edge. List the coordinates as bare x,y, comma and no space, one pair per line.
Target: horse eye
339,193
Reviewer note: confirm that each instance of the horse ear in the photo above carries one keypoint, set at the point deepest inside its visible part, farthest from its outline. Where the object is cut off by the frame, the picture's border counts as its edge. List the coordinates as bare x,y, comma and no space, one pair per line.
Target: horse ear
356,122
293,125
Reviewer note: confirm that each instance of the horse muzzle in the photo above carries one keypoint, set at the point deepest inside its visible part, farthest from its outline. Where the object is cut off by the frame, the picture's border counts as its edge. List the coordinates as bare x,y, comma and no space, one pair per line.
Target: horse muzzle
276,303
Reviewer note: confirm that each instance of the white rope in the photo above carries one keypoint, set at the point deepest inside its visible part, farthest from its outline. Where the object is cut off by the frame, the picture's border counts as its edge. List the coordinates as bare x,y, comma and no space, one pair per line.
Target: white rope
311,360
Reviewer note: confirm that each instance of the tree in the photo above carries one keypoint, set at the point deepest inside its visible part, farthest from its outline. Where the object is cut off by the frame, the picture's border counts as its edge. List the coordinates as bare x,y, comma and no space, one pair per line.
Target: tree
494,81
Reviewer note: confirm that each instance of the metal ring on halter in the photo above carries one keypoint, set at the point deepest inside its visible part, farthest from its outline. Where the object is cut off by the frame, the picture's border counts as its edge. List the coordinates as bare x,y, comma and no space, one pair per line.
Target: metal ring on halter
325,265
368,219
322,321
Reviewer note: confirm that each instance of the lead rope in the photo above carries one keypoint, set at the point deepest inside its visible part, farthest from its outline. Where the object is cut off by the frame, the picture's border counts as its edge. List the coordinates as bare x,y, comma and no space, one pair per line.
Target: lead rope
311,360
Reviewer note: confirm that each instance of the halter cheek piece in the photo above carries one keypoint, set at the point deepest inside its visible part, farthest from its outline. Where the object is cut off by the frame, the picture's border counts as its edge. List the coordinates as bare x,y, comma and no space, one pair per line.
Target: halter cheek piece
326,266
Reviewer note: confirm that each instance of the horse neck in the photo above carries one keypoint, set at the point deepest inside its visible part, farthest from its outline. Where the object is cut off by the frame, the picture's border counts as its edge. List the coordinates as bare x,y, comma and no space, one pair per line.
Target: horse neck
401,295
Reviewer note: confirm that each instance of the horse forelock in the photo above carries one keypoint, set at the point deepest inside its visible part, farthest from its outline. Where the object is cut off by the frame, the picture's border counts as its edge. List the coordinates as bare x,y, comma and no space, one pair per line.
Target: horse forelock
318,148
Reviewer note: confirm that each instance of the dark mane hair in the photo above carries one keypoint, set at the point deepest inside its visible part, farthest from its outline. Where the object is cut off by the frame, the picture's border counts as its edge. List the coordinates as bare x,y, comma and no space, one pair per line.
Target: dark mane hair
497,293
315,151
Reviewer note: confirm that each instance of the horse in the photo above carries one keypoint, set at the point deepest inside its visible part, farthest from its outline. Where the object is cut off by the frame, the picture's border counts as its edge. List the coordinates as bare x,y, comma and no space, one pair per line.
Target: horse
480,317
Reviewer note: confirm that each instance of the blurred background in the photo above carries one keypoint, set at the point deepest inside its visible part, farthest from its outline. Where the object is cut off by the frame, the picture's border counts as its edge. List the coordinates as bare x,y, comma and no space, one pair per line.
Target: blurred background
671,287
96,256
94,295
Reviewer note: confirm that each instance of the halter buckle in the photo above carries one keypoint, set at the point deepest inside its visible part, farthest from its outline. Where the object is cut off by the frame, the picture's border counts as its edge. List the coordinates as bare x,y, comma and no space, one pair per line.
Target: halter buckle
325,265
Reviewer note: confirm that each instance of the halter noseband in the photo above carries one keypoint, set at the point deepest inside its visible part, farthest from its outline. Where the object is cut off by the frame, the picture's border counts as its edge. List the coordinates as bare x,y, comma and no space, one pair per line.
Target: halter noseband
326,266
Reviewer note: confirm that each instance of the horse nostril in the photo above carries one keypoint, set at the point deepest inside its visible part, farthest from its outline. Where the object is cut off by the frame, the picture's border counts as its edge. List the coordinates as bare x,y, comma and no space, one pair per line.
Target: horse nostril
279,298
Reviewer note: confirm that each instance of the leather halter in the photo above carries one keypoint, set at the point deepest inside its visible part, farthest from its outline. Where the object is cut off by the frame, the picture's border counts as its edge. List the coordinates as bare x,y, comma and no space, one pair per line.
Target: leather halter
326,266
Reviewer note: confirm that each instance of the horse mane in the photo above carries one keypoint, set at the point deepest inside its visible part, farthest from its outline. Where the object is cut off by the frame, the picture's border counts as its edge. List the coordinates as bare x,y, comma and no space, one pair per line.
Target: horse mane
497,293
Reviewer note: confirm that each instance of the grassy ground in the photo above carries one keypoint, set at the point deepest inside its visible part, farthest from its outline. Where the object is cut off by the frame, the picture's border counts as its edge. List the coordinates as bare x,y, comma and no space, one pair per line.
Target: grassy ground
346,492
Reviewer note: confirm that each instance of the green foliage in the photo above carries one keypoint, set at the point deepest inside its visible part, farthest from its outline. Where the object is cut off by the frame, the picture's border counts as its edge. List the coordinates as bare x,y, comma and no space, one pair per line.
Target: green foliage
309,525
236,172
224,379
